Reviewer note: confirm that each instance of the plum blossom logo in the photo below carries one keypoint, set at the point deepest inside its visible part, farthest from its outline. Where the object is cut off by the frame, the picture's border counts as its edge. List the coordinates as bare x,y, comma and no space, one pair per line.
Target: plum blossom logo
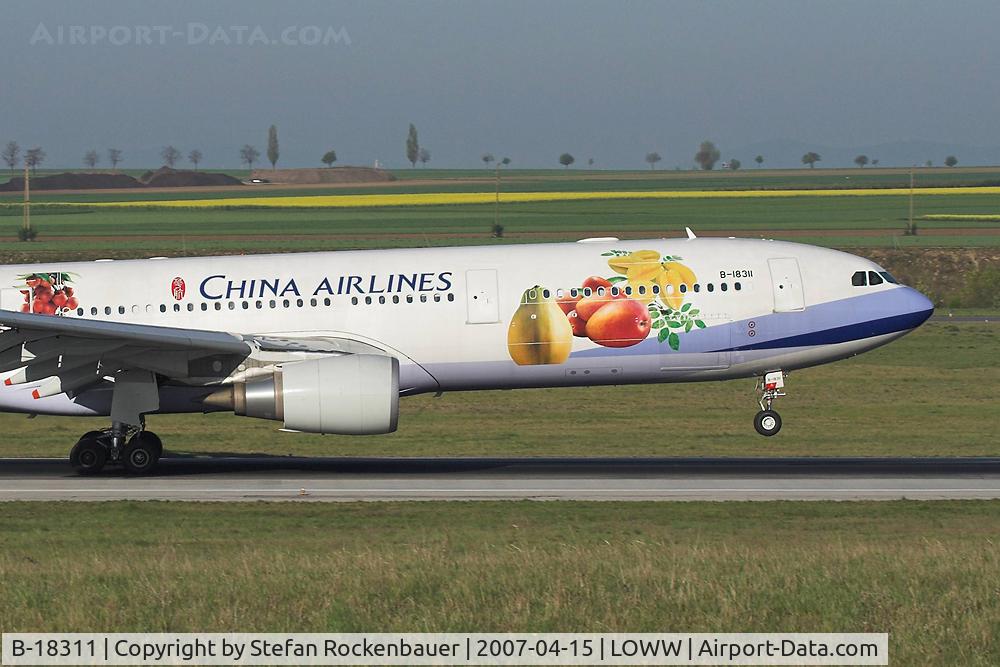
177,288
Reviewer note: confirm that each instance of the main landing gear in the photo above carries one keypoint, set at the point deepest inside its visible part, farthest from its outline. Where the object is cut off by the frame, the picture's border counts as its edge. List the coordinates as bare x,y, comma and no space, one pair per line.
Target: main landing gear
135,449
767,421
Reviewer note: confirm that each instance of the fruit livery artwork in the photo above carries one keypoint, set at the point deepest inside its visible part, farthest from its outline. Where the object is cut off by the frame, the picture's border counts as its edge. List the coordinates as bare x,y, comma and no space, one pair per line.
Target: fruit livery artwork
647,294
48,293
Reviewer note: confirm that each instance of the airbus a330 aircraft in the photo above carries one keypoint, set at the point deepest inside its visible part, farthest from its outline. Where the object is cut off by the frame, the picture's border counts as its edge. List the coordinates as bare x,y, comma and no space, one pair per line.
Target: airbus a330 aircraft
329,342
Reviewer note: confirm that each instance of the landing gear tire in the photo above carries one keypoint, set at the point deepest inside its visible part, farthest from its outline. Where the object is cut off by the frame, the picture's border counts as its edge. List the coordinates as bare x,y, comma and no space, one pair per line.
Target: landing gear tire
767,422
142,453
88,456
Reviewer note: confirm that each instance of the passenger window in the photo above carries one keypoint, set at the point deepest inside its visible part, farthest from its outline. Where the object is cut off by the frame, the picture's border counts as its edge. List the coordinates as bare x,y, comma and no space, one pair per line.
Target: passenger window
423,298
684,288
874,278
79,312
190,307
272,303
697,287
451,297
737,286
587,291
204,306
381,299
368,301
163,308
656,289
93,310
724,286
409,298
218,305
711,287
437,298
312,302
232,305
121,310
326,301
859,279
354,300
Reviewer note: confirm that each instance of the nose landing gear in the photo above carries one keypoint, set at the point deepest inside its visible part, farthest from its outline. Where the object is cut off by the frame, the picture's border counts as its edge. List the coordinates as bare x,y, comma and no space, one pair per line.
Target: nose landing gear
767,422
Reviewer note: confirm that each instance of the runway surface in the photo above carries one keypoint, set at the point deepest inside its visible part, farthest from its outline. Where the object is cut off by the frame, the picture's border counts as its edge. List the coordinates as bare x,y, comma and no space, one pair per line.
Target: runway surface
347,479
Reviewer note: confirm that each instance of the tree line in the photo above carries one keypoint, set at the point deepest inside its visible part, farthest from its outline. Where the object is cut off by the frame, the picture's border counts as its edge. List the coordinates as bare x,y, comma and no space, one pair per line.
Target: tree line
706,157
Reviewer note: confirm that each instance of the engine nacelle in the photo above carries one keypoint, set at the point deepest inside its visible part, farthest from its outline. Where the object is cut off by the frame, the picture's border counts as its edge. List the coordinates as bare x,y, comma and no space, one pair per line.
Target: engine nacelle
350,394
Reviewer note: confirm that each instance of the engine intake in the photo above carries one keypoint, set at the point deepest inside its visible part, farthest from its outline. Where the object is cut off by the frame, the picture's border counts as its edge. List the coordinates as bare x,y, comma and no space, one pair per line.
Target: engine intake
350,394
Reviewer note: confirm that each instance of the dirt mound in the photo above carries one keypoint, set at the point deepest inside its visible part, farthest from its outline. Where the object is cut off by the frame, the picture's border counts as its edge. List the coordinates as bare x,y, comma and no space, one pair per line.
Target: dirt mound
165,177
73,181
324,175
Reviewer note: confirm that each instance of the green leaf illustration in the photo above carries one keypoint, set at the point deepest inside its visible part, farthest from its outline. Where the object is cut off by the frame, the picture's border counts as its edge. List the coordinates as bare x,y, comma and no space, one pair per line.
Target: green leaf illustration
616,279
686,307
674,341
699,324
688,325
658,324
674,324
694,311
662,336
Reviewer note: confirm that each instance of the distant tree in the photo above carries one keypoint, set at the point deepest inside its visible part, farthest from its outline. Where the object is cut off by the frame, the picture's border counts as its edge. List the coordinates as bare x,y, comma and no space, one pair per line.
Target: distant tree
929,163
194,157
759,160
487,158
249,155
566,160
114,157
11,155
950,161
861,160
590,162
412,146
811,159
424,155
735,164
272,146
652,159
874,162
707,155
505,161
34,157
91,158
170,155
329,157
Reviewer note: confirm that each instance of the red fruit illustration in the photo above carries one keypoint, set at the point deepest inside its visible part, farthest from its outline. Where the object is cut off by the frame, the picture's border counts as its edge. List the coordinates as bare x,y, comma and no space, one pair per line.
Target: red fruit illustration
593,282
59,299
26,308
578,324
622,323
589,305
568,303
72,303
38,306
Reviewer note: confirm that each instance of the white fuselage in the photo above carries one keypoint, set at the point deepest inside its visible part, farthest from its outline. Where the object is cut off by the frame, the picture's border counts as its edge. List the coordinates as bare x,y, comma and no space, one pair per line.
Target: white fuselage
448,313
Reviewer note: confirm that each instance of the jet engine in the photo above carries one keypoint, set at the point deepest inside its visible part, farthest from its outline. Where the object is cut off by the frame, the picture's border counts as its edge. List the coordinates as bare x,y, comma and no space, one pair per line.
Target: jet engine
349,394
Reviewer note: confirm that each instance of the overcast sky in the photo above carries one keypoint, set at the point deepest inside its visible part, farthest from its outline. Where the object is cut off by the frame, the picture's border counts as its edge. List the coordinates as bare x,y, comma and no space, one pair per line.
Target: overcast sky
608,80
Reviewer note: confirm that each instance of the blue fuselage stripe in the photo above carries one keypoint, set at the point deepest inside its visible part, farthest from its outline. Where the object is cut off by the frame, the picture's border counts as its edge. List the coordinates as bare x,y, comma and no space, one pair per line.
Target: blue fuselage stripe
857,331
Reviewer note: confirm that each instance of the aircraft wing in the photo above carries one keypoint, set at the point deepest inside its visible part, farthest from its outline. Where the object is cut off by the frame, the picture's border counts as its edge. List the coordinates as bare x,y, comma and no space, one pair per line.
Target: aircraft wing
69,353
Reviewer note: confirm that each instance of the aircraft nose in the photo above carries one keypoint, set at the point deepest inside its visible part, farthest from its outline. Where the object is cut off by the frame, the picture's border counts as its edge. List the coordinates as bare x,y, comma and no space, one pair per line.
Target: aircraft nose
915,306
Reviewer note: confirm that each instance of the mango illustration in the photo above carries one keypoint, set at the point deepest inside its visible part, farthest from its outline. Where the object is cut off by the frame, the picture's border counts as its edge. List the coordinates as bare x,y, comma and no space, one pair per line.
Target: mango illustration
539,332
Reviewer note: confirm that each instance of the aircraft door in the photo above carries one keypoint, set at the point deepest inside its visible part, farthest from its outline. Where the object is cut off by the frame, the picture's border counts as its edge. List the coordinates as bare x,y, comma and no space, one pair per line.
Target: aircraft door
481,296
11,299
786,283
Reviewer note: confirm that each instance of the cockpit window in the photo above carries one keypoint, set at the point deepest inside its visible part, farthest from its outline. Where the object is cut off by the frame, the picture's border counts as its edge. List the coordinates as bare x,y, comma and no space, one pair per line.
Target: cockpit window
888,277
874,278
859,279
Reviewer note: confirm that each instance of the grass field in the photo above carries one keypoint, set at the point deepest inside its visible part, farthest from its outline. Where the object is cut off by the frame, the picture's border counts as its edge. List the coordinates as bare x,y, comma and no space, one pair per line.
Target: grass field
927,573
929,394
80,233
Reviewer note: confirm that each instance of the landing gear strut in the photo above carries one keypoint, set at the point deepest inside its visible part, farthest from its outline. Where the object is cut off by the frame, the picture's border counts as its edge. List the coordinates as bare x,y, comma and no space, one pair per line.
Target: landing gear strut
768,422
135,449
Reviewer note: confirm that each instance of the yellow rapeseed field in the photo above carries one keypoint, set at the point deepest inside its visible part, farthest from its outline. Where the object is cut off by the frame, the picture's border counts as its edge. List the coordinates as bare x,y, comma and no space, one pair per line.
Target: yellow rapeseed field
446,198
962,217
